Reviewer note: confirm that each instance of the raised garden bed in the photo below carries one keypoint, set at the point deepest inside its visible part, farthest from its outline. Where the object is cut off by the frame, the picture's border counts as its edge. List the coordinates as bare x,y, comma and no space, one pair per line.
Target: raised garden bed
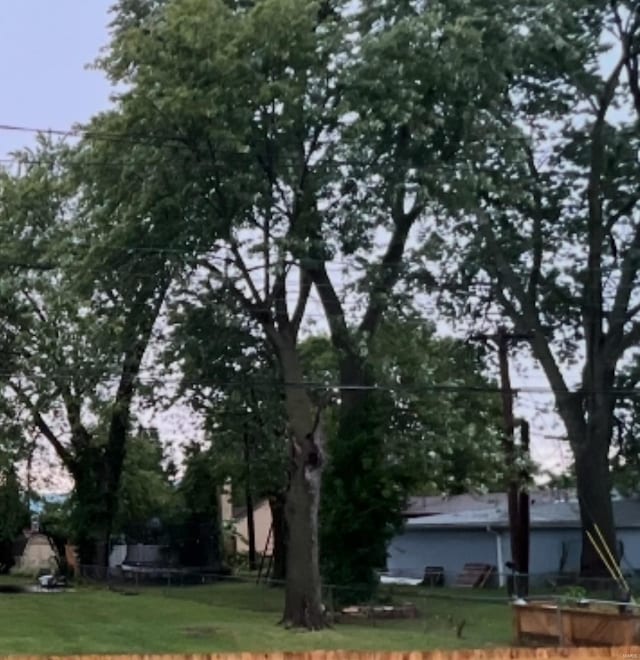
572,625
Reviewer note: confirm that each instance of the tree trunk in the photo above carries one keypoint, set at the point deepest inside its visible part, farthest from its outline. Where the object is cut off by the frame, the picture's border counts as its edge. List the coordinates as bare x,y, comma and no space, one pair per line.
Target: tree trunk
588,419
303,595
303,591
251,530
596,510
279,537
251,525
90,516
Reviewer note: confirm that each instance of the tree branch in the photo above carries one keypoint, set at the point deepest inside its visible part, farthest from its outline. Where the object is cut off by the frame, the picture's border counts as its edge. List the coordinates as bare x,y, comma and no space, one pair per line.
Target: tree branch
331,303
389,267
592,307
529,314
36,308
78,430
62,452
629,271
242,266
534,277
279,296
258,312
303,297
626,34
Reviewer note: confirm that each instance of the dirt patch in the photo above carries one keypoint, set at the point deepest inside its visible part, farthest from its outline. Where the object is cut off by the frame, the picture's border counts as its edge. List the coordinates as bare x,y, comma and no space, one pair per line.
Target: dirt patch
12,589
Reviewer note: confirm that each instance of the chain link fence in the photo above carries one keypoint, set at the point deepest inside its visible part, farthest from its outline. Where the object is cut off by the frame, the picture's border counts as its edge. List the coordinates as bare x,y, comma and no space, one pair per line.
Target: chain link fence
394,600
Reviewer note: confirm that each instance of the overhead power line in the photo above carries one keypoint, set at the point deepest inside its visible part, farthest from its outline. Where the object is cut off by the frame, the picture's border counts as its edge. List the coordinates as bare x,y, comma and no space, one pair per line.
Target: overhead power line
137,137
442,388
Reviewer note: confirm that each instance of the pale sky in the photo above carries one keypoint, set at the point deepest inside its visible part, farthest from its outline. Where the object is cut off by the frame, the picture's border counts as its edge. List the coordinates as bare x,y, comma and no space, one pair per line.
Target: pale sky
45,47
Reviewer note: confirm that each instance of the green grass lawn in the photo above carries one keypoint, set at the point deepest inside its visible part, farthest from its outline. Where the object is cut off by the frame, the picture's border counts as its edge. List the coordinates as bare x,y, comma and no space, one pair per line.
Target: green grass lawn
224,617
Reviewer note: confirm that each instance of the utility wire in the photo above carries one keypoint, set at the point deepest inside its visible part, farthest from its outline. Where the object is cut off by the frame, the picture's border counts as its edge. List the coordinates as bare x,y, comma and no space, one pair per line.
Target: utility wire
179,139
444,388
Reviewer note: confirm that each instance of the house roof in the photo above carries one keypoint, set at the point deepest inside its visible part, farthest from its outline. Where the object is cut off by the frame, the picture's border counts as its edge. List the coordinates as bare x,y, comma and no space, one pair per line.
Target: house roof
543,515
441,504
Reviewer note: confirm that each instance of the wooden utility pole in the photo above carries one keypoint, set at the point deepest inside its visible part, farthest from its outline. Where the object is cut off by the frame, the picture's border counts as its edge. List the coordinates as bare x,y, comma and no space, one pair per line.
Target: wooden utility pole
517,492
524,514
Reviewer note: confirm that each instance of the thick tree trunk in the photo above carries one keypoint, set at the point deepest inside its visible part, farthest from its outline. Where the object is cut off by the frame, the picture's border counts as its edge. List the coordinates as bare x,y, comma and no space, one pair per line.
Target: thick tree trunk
596,510
279,532
589,434
90,514
588,419
303,591
303,594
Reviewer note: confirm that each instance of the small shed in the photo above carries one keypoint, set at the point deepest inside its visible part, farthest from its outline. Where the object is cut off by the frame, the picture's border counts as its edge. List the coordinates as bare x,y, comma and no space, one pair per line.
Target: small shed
34,552
452,540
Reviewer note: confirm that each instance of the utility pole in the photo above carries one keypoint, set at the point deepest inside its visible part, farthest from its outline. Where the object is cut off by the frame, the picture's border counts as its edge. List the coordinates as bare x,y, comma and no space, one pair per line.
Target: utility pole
524,514
517,493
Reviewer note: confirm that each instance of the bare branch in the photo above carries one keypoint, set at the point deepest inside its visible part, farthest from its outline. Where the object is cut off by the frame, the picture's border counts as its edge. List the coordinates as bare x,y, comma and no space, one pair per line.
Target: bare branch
629,272
62,452
626,34
389,268
333,308
534,277
258,312
529,314
279,296
36,308
303,297
242,266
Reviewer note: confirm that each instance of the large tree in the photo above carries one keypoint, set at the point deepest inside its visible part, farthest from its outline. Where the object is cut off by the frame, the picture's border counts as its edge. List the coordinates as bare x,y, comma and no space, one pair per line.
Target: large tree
233,104
416,90
550,225
274,132
81,330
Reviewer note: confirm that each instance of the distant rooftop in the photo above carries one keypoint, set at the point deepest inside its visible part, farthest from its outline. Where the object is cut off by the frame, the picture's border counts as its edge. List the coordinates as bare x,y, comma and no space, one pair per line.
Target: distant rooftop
440,504
543,514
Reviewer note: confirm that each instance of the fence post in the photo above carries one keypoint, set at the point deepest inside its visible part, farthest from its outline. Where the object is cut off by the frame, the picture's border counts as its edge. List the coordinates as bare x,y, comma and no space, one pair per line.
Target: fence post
561,640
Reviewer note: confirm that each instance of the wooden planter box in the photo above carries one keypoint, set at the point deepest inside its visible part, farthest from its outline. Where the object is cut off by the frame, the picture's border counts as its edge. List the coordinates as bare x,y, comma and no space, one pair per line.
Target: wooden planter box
592,625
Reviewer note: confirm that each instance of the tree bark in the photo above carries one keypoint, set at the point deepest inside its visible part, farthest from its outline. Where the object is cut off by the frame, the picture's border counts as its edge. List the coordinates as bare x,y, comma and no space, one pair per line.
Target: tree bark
279,537
251,525
303,590
251,530
588,424
594,487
